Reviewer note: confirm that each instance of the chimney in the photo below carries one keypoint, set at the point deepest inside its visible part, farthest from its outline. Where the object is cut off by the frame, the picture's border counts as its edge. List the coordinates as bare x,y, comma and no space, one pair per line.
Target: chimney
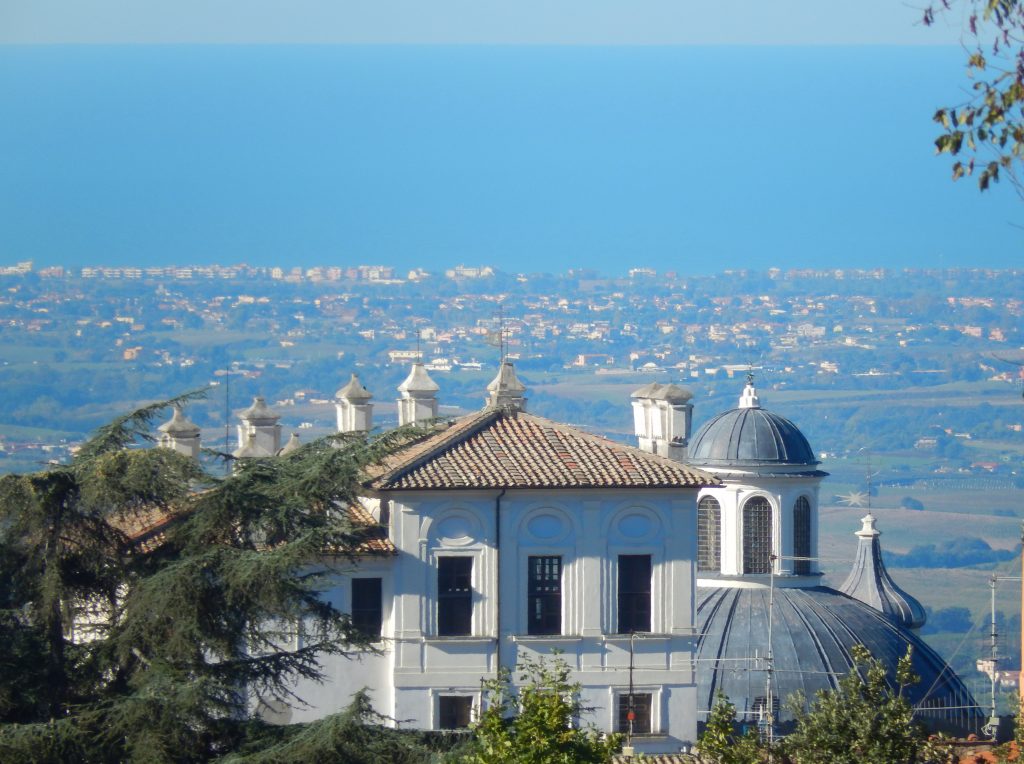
355,412
418,400
180,434
505,390
662,417
259,434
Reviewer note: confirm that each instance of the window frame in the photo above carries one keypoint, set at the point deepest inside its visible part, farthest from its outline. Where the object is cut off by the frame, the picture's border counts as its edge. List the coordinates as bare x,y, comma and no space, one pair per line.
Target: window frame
763,542
450,600
550,601
620,723
377,623
469,697
709,534
802,536
632,596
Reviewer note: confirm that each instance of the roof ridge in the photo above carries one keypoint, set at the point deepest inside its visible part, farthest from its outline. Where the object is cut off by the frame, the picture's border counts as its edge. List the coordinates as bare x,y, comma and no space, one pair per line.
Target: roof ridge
615,445
501,447
457,431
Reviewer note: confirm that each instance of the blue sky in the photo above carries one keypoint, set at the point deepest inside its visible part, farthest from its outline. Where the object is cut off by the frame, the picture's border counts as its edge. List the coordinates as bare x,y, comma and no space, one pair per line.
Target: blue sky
679,135
549,22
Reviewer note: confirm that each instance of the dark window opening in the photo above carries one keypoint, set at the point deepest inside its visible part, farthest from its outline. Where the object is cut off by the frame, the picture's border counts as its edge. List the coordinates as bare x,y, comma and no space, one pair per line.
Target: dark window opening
455,712
544,595
709,534
454,596
367,606
634,593
760,707
639,705
802,536
757,535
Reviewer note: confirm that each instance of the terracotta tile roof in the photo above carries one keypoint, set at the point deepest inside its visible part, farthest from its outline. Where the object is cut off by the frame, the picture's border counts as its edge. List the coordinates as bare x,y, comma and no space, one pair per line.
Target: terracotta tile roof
147,528
374,536
501,448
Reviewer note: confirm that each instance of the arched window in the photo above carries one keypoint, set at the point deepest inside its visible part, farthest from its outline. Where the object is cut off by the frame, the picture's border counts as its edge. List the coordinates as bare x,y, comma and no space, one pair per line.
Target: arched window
709,534
757,535
802,536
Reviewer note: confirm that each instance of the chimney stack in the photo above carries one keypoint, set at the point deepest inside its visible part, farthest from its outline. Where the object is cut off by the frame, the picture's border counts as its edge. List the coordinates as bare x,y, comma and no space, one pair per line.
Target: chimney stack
662,417
418,401
355,412
180,434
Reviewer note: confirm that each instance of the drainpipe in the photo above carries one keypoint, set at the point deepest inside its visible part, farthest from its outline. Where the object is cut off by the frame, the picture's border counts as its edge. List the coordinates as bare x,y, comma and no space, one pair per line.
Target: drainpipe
497,581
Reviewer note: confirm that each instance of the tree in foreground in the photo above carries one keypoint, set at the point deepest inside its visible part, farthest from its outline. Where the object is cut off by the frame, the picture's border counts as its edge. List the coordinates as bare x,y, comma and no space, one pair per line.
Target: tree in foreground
147,604
985,132
862,721
720,742
536,722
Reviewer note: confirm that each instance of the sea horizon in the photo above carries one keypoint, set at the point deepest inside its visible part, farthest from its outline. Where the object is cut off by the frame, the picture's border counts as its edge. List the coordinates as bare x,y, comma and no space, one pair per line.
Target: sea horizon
527,158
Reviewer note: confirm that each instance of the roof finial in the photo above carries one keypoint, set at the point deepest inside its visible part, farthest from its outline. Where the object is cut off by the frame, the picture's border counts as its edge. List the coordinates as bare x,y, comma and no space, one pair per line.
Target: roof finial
749,399
871,583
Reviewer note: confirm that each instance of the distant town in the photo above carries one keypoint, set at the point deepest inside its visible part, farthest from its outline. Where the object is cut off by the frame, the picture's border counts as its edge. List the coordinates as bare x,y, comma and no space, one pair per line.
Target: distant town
294,333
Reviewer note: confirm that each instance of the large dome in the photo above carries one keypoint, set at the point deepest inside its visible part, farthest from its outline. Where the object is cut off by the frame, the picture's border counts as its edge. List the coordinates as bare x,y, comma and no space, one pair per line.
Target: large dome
813,631
749,437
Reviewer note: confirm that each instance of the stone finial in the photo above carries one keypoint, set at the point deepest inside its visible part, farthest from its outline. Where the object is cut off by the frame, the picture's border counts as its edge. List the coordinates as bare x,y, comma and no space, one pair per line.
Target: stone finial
505,390
749,399
871,583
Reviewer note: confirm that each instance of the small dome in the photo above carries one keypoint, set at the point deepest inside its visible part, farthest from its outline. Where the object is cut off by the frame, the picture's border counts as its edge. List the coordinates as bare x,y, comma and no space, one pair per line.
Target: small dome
179,425
749,437
259,411
506,382
418,381
354,391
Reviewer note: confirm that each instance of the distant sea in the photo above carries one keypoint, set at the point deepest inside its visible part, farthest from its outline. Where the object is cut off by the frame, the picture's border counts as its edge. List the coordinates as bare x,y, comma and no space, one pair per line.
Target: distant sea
524,158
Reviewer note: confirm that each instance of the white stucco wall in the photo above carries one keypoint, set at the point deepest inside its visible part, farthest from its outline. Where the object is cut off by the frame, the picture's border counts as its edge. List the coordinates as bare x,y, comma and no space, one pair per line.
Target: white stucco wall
588,529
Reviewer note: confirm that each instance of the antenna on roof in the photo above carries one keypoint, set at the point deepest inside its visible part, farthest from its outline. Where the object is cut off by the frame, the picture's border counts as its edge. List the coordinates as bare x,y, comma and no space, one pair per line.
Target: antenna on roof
419,351
227,413
501,332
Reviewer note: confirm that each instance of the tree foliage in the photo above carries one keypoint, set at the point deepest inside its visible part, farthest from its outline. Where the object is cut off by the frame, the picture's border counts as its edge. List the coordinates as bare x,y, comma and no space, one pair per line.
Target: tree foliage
985,132
720,743
537,722
862,721
148,604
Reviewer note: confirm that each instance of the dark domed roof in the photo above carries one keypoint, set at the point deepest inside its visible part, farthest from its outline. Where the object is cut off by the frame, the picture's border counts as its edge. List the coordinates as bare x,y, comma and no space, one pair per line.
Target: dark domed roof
749,436
813,631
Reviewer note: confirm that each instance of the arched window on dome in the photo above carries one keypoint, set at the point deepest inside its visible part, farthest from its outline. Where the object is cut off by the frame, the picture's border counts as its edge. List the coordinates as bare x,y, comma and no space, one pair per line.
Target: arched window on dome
709,534
757,535
802,536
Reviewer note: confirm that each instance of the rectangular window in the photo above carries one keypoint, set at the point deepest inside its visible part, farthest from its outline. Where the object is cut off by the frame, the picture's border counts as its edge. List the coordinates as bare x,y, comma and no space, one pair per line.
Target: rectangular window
367,606
455,712
544,592
634,593
760,707
639,705
454,596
